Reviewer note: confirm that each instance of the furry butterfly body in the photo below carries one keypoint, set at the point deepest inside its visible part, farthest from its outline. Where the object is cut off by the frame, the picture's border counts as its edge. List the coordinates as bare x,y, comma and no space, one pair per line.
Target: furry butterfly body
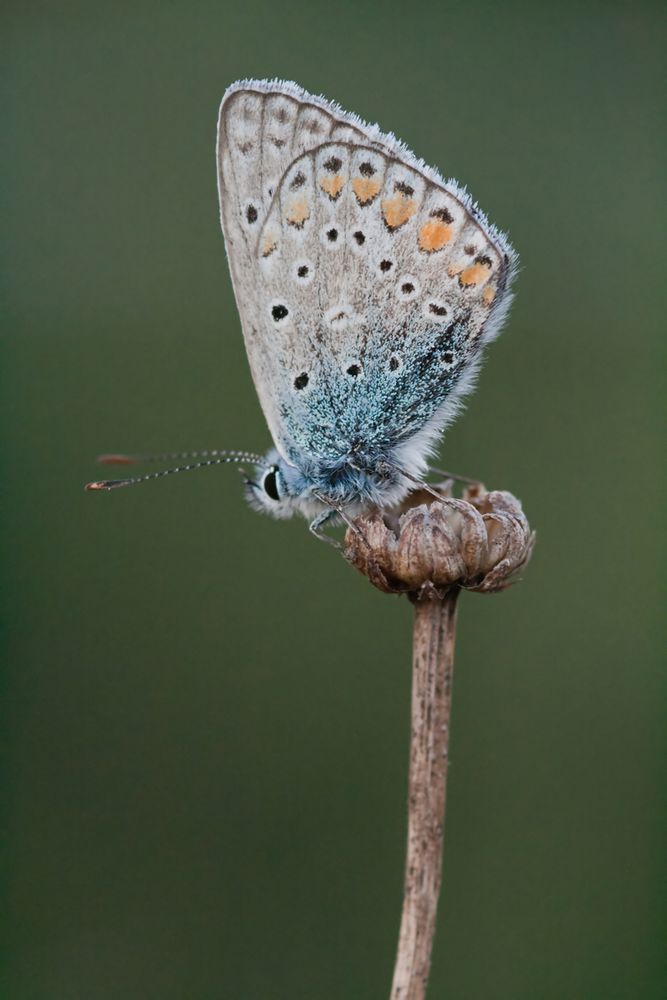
367,288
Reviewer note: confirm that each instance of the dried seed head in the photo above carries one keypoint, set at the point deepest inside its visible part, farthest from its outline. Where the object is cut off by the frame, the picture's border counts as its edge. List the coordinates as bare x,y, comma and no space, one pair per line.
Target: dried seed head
425,547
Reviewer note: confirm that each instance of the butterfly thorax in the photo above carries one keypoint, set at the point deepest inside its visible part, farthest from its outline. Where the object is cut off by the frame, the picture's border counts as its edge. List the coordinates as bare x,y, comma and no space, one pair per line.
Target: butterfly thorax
350,483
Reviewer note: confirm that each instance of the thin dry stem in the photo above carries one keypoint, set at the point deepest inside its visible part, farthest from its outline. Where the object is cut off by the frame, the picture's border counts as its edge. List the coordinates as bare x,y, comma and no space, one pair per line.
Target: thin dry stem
432,667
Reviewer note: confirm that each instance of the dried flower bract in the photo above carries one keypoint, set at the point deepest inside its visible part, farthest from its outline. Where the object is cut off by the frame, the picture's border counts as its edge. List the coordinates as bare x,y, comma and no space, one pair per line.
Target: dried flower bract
480,542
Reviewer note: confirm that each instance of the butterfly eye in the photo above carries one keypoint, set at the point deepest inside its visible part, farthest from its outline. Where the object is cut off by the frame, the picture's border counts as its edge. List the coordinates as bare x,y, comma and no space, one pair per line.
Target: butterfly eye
270,483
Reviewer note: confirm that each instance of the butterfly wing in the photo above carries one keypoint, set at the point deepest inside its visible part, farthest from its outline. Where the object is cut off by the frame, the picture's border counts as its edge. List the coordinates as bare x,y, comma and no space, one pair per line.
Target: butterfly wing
366,285
262,127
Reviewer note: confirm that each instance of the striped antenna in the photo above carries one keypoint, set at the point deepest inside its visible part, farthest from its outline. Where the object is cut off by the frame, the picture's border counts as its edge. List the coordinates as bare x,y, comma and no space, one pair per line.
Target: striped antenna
172,456
221,458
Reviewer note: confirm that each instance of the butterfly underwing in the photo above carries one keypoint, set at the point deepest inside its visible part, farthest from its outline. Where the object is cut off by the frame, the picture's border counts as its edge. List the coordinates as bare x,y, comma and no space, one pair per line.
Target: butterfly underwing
367,288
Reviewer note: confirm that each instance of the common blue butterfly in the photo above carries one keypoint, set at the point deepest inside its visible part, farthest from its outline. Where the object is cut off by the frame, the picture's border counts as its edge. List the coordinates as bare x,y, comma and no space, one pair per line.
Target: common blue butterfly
367,286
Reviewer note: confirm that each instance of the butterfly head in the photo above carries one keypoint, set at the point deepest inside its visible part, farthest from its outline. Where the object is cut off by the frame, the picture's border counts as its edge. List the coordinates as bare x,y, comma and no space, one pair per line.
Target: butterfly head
274,488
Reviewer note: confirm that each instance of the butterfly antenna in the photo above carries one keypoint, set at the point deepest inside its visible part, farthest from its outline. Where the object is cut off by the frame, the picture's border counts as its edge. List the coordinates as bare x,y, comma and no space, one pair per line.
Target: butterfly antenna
114,484
121,459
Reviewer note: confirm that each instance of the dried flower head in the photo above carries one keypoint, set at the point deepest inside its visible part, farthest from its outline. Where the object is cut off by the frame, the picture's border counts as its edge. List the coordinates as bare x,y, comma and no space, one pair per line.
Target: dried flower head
480,542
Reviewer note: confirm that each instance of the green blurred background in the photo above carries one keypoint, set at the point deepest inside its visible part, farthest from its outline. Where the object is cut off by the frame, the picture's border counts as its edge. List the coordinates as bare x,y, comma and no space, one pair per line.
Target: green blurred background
206,712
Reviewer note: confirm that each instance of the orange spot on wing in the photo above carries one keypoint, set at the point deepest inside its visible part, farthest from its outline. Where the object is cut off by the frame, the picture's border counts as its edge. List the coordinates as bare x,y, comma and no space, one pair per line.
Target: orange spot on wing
475,274
454,269
365,189
398,210
488,295
269,244
434,235
332,185
298,212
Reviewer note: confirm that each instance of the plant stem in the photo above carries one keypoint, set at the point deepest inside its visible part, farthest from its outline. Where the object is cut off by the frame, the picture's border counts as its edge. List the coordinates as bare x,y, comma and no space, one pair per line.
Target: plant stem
432,667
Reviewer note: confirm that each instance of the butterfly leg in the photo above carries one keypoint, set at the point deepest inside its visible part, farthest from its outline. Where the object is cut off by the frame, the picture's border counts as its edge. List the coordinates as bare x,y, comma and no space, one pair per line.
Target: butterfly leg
452,475
316,524
330,514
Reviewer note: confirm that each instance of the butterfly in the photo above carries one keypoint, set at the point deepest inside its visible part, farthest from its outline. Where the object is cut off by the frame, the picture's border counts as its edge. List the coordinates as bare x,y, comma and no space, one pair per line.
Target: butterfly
367,287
